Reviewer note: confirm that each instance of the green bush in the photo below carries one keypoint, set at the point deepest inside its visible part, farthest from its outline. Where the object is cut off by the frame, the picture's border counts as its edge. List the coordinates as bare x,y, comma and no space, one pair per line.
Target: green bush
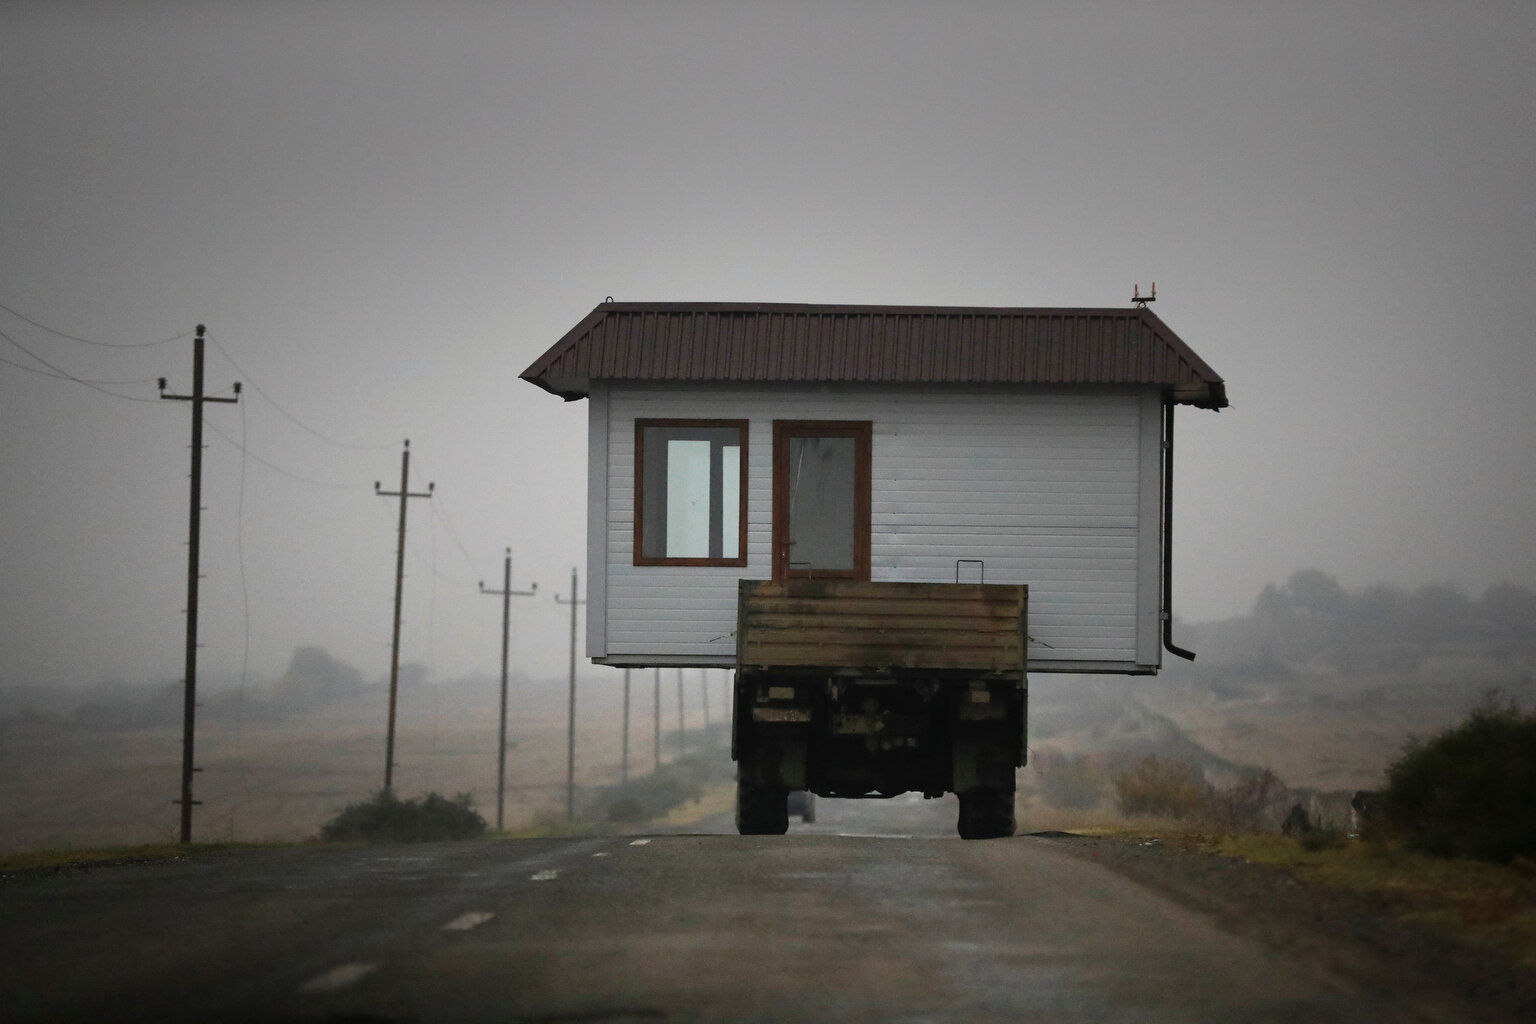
1170,789
388,819
1471,790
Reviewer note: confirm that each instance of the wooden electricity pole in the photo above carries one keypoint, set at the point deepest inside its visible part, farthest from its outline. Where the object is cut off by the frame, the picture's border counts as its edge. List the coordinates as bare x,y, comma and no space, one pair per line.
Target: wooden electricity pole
194,539
570,731
394,648
656,739
506,593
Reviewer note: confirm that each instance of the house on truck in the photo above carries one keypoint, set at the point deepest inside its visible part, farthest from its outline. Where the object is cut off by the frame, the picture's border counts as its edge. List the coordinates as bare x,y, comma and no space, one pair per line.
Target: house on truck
1029,445
825,448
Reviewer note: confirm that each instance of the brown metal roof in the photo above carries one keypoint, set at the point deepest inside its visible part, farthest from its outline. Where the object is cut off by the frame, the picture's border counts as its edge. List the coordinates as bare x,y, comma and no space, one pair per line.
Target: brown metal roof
752,342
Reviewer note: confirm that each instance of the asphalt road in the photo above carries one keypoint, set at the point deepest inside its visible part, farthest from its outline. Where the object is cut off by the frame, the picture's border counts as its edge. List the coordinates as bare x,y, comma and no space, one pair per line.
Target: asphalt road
865,916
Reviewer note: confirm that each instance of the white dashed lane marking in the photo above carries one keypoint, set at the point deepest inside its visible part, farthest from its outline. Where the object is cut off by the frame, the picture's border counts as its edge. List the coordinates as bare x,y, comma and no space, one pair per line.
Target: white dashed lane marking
338,978
639,842
465,922
546,876
601,853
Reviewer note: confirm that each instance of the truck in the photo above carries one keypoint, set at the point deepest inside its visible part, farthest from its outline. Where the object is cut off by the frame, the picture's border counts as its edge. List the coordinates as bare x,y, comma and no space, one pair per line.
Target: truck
869,690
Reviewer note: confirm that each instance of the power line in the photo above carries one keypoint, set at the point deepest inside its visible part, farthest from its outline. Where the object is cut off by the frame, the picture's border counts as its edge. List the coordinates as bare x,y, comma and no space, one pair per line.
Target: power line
280,470
246,377
426,560
62,374
453,534
88,341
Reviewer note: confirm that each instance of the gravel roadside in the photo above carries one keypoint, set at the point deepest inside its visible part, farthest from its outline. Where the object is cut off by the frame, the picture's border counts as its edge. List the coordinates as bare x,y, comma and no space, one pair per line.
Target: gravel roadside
1353,935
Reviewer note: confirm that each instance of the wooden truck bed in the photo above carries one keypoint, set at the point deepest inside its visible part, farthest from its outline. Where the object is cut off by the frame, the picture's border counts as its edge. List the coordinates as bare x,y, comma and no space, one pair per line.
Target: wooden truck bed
844,627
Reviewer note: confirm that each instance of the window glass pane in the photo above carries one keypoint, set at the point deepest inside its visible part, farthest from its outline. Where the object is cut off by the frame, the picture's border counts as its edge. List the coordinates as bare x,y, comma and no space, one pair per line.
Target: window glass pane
687,499
821,502
730,501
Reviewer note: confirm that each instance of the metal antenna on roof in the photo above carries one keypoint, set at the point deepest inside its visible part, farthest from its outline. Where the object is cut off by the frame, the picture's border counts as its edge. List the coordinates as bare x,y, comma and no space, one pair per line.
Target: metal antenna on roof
1141,300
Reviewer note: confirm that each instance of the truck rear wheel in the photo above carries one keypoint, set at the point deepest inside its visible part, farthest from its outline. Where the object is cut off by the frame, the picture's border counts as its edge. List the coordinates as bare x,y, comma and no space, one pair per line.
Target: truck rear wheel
761,810
986,814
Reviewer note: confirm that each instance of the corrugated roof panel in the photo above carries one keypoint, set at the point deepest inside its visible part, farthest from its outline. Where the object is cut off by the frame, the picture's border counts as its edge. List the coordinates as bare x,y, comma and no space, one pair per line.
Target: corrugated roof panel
784,342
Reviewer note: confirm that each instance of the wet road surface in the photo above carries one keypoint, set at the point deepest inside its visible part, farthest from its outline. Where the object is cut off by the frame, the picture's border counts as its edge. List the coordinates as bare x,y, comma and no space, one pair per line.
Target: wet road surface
867,915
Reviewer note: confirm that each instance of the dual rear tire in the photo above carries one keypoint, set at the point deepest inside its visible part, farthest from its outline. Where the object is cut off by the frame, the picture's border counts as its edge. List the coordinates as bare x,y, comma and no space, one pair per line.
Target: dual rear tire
761,810
986,814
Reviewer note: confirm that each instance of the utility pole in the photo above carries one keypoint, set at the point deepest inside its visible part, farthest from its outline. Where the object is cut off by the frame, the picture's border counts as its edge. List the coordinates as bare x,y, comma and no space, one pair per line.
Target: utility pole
394,648
506,593
682,746
570,731
656,739
704,691
194,539
624,760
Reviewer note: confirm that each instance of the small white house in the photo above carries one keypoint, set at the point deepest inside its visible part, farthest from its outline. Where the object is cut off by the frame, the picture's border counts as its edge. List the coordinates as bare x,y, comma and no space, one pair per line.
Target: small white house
911,443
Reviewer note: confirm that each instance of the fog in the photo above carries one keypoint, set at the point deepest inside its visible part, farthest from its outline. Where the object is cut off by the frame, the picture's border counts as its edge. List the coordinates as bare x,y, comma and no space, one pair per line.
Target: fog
384,212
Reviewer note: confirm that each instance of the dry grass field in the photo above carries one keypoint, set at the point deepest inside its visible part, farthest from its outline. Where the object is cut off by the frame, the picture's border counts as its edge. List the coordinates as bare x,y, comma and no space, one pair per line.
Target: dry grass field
281,776
274,771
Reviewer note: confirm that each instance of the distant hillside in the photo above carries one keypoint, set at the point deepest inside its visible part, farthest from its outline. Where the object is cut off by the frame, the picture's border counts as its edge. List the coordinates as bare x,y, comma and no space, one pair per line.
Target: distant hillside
1312,626
1322,684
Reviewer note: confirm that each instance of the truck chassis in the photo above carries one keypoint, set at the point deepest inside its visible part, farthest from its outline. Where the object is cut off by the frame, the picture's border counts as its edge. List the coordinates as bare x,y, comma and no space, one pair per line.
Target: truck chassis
870,690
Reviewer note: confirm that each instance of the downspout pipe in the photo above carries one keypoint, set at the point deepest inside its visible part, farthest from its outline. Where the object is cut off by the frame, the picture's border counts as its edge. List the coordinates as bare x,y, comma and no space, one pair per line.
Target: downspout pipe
1168,643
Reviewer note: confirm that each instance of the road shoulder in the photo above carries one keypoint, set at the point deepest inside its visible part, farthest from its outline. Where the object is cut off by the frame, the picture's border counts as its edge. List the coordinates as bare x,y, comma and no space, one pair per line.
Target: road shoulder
1352,935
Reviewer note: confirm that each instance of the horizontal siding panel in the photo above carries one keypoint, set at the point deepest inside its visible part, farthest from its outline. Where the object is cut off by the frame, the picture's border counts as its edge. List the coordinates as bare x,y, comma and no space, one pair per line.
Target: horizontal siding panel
963,522
999,457
998,559
1062,659
1081,630
898,510
680,649
1007,543
945,476
1085,646
678,632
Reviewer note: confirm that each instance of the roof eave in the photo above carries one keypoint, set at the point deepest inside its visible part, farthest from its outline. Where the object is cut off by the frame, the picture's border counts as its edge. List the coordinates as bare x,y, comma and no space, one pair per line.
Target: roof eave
1207,395
571,389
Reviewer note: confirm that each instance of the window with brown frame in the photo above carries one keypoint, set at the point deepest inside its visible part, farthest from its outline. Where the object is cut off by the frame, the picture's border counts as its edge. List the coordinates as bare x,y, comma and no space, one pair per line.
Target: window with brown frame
690,492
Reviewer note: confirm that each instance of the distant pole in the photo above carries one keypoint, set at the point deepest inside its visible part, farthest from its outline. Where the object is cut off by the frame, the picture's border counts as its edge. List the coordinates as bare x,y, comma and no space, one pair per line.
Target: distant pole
624,761
656,739
507,593
570,730
682,745
704,691
394,648
194,540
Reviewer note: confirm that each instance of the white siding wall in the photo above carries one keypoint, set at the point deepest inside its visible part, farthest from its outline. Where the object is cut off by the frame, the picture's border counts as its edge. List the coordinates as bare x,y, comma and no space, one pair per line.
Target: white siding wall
1049,488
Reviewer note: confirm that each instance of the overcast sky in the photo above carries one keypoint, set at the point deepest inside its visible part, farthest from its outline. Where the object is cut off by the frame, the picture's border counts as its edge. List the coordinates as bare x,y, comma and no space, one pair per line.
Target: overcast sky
383,212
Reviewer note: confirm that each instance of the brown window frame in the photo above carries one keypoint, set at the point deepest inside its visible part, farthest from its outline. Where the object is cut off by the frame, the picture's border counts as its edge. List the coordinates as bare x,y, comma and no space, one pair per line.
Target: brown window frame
640,558
862,432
